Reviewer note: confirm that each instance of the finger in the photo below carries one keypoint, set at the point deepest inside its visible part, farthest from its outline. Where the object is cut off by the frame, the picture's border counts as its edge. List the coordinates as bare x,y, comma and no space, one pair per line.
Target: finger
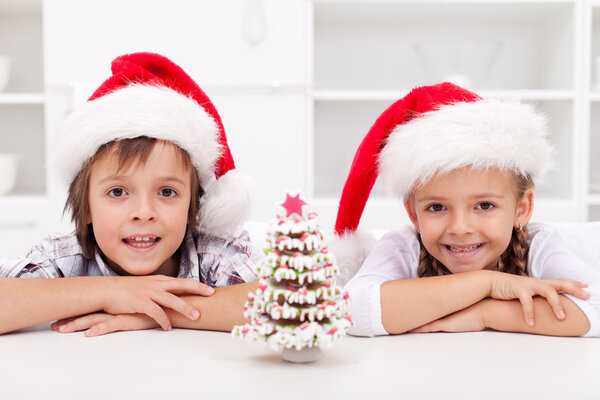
191,286
57,324
527,304
175,303
574,288
103,328
554,300
82,323
155,312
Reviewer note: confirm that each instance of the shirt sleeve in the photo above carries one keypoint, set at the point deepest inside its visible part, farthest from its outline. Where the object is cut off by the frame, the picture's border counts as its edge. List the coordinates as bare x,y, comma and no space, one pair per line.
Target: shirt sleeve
228,262
40,262
393,257
552,258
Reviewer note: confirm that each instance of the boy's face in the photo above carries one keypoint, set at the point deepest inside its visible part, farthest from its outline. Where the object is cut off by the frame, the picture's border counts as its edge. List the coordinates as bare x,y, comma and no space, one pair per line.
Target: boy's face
139,214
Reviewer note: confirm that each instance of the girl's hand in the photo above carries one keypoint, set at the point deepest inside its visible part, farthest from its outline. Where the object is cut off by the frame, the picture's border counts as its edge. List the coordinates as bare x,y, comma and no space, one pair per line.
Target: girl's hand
101,323
149,294
507,287
468,320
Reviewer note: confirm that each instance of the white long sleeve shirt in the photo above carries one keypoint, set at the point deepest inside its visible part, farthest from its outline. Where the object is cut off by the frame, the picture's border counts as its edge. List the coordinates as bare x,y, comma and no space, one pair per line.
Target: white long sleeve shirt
566,251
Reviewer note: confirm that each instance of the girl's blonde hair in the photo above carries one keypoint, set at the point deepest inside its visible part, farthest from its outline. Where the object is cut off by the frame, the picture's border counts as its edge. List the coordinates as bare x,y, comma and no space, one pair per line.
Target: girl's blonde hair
127,151
512,261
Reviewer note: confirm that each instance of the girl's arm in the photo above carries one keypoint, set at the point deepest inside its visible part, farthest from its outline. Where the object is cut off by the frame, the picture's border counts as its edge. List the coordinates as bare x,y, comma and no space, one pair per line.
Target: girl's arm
408,304
507,316
27,302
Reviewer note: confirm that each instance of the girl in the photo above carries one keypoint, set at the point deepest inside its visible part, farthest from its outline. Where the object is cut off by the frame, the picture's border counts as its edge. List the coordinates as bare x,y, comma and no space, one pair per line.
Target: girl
154,197
466,169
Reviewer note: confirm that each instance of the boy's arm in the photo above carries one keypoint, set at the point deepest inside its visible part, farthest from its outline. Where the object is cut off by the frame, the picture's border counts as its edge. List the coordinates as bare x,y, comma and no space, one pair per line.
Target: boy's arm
28,302
219,312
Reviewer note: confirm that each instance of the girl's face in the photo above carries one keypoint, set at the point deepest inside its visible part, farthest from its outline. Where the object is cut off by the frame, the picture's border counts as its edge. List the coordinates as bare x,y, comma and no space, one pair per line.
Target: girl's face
466,217
139,214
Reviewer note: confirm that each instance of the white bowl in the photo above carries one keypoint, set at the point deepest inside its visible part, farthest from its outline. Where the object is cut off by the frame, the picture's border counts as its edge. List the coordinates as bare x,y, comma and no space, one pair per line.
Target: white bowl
8,172
465,62
4,71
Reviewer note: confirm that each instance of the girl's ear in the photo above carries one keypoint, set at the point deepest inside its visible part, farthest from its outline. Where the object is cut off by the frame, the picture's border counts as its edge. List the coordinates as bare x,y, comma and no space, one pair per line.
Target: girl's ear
409,205
524,209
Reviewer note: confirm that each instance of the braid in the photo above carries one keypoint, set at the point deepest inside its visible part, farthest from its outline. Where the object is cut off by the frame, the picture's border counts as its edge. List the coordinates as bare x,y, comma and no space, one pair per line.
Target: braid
428,265
512,261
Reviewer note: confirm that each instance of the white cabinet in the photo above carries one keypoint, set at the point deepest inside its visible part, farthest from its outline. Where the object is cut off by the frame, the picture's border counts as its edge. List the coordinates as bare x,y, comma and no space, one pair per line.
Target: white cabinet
365,55
299,83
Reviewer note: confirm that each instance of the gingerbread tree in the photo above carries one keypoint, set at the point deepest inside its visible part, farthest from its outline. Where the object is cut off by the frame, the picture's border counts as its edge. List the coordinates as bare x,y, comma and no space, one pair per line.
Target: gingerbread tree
297,308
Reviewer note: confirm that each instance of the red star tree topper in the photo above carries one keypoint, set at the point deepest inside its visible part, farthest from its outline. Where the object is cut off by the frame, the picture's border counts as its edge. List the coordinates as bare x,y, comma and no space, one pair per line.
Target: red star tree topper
293,205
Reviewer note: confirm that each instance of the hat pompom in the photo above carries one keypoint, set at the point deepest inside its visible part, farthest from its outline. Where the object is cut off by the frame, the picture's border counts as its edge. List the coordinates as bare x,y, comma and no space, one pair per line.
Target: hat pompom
226,205
351,250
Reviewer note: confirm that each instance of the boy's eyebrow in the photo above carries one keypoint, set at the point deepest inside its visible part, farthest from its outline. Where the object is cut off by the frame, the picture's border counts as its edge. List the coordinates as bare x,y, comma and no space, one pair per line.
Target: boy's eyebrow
166,178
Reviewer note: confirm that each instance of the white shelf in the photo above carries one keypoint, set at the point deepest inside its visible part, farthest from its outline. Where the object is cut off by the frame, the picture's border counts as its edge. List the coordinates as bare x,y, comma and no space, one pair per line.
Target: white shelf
22,98
594,199
377,95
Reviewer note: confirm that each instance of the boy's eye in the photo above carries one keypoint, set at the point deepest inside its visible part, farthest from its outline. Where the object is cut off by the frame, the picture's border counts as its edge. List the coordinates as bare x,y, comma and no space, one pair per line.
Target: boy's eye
485,206
117,192
436,207
168,192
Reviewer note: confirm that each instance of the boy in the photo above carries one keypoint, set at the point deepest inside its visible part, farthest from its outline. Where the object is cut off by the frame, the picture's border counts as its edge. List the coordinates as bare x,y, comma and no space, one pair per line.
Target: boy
154,197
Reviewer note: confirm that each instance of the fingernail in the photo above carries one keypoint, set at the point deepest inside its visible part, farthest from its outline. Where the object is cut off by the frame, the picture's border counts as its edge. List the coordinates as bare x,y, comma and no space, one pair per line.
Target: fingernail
195,314
210,290
561,314
530,321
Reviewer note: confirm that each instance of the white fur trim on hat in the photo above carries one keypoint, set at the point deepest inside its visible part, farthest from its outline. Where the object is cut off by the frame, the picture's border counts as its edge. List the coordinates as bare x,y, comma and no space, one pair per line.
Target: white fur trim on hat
133,111
350,250
226,205
481,134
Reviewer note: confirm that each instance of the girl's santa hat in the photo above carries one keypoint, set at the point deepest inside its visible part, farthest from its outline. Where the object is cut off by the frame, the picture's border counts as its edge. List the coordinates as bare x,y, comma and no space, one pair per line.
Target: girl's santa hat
148,95
431,131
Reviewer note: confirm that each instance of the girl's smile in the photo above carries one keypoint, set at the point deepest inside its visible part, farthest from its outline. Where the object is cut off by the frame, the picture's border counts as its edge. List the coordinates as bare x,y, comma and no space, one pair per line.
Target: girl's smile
466,217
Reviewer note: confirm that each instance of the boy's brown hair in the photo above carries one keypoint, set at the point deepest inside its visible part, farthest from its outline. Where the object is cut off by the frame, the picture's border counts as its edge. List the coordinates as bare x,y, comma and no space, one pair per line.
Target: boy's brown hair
128,152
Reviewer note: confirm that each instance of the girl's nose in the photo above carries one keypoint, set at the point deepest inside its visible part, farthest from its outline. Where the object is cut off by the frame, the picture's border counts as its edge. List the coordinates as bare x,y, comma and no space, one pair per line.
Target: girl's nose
460,224
143,208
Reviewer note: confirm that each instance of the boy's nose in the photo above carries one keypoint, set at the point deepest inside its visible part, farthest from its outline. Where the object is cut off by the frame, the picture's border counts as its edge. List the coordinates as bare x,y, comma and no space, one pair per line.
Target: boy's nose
143,209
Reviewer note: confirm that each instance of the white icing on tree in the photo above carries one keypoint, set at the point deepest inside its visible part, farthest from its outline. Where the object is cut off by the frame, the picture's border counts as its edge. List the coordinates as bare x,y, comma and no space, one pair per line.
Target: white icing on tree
297,303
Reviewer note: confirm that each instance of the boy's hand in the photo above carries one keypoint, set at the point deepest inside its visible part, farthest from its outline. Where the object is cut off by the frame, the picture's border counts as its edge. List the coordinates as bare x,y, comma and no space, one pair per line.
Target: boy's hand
509,287
97,324
149,294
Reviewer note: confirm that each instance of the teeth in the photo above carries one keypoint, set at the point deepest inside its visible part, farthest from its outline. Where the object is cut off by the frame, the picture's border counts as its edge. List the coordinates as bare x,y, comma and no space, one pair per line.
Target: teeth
464,249
144,239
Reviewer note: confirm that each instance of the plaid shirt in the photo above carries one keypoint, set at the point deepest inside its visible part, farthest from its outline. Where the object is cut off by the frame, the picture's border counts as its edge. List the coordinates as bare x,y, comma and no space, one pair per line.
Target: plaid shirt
209,259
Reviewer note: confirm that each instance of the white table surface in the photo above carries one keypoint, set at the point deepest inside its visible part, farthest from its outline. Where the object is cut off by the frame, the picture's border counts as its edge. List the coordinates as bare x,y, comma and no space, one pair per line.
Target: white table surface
39,363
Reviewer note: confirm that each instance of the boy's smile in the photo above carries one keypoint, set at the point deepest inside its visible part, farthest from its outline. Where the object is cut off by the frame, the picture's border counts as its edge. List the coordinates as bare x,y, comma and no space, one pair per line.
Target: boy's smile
139,213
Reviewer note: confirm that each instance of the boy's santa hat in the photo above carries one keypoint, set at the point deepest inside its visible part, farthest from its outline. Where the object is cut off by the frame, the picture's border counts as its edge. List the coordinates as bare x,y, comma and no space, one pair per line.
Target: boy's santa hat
434,130
148,95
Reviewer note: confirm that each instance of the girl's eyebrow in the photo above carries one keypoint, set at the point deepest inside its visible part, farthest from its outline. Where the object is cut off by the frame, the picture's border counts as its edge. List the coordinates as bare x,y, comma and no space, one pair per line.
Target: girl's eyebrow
112,178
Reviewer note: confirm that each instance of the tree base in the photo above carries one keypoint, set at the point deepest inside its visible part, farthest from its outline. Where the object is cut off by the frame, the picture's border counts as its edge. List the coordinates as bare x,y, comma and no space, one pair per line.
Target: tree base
306,354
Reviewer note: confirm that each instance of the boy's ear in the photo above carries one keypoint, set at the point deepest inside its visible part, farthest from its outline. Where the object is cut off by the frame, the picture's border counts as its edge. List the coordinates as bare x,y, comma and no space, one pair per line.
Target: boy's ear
409,205
524,209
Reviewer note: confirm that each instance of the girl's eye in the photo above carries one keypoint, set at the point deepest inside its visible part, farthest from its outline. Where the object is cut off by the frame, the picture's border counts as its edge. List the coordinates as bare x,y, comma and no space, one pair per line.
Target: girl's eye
485,206
436,207
168,192
117,192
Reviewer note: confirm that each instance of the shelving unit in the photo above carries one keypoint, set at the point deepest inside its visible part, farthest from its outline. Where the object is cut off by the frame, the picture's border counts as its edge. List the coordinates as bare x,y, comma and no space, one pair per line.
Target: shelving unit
310,90
365,56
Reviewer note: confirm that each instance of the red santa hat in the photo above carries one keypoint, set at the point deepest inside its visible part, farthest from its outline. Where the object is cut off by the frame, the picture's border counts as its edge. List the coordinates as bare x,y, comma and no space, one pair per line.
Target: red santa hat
431,131
148,95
